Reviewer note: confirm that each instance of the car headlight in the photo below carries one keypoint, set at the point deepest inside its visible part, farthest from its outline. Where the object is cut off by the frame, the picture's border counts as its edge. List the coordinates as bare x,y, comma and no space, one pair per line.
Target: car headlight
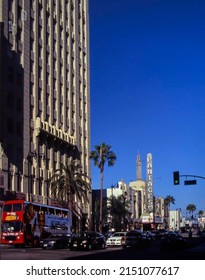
52,242
84,242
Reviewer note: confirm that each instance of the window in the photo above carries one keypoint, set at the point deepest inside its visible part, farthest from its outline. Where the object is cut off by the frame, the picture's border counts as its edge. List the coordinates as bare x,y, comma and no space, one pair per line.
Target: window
19,129
17,207
19,80
19,13
32,44
1,182
19,180
32,24
10,100
10,74
7,208
40,188
10,125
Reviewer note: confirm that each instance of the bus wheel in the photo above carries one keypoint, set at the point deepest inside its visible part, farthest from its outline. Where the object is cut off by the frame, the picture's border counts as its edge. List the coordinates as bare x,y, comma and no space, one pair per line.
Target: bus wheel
35,242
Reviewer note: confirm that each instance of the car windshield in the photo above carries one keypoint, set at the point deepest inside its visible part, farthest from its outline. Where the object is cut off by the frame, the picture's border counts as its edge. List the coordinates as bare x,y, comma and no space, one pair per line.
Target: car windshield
87,234
118,234
134,233
59,235
11,226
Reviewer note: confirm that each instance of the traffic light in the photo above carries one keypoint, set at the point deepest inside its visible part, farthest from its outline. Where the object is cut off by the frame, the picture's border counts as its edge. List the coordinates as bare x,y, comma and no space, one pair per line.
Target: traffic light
176,177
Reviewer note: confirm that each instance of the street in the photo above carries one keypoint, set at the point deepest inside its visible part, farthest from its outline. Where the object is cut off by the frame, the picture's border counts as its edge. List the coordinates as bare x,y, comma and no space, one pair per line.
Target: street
195,251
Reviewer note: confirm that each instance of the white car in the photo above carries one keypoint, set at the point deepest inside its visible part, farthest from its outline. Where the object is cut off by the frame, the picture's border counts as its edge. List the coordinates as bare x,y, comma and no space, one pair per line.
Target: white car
116,239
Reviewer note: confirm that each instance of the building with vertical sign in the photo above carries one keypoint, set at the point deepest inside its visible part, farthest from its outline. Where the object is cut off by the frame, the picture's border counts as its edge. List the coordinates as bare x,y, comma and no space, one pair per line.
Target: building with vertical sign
150,207
139,188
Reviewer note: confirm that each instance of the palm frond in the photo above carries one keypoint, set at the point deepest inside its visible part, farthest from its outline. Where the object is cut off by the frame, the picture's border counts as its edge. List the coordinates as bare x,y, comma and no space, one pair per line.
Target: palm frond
68,181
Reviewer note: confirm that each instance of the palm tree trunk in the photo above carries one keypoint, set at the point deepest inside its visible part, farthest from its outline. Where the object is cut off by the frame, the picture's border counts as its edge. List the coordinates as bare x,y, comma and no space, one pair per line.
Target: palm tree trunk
101,200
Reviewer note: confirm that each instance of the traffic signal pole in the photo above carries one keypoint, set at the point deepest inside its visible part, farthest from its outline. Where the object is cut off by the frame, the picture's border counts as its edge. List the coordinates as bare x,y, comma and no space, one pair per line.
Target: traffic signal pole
195,176
176,179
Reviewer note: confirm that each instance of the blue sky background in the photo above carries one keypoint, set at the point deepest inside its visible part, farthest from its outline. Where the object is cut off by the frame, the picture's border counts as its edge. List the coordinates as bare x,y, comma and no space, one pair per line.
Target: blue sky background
147,70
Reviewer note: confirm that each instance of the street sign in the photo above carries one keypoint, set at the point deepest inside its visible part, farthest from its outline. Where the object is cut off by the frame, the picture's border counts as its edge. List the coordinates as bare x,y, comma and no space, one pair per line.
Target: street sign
190,182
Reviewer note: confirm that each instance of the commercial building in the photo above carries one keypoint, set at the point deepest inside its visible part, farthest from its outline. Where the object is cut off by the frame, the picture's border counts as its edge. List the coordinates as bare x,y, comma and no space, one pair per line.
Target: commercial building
146,211
44,92
175,219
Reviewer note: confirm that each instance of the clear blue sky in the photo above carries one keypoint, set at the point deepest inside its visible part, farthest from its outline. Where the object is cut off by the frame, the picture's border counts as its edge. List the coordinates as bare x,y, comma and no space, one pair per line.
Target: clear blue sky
147,68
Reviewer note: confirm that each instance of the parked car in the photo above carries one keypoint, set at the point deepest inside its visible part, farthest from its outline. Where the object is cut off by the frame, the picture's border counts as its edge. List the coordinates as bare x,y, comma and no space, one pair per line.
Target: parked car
173,240
162,233
136,238
108,234
56,241
155,232
203,233
174,232
88,240
116,239
151,234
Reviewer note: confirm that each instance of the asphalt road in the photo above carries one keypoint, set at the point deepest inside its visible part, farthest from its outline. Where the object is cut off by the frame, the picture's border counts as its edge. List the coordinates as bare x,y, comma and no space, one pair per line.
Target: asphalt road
195,251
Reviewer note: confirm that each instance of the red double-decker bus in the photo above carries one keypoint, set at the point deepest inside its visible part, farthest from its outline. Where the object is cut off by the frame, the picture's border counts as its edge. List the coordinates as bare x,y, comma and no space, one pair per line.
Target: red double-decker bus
26,223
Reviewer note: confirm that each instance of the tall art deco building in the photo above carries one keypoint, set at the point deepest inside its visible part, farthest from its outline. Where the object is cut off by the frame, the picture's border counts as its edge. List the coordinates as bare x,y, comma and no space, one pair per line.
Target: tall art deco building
44,92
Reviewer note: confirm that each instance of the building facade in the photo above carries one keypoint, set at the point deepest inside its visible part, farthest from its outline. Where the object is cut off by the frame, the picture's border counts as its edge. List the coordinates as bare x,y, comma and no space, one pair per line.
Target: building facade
44,92
175,219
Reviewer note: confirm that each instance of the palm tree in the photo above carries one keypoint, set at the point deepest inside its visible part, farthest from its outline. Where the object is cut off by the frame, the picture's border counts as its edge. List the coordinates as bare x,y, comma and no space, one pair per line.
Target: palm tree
191,208
68,183
100,156
169,199
200,213
118,210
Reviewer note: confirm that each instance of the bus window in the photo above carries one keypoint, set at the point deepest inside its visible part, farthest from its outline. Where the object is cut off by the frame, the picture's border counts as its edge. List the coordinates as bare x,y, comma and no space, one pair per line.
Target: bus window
17,207
44,209
65,214
51,211
36,208
7,208
58,213
12,226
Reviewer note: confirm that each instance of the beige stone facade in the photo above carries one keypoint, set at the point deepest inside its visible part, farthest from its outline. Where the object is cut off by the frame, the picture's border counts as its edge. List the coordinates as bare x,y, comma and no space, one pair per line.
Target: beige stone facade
44,91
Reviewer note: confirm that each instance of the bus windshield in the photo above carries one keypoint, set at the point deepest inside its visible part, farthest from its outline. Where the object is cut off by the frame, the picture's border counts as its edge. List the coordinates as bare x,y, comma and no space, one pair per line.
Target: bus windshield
12,226
12,207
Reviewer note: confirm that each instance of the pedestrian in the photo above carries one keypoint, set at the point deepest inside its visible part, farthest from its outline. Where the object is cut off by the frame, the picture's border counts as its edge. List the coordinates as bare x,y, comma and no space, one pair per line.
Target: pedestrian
190,234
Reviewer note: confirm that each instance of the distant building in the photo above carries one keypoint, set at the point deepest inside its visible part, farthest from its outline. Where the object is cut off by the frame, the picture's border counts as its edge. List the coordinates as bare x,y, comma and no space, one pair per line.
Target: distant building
201,222
121,189
146,211
175,219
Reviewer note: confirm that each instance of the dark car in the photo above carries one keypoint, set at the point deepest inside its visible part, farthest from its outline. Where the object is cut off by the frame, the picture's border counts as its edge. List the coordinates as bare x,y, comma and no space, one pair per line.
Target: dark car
162,233
152,235
136,238
56,241
173,240
203,233
88,240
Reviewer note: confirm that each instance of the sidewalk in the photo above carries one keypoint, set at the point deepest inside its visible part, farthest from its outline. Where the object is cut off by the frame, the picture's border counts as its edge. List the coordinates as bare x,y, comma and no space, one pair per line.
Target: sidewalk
197,248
